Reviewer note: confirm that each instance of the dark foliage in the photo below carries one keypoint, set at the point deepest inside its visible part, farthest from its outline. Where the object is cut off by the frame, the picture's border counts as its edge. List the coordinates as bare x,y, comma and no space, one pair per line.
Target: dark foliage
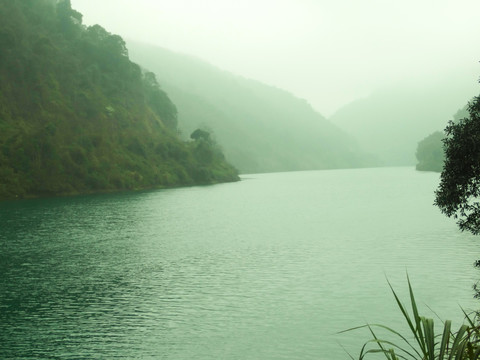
459,189
200,134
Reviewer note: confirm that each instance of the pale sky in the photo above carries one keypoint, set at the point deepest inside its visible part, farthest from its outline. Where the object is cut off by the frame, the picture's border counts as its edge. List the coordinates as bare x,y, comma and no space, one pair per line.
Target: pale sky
327,52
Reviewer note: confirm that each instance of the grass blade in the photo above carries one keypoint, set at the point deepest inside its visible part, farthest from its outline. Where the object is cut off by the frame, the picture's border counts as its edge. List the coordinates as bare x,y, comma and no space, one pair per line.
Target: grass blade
457,342
462,345
417,318
419,339
445,339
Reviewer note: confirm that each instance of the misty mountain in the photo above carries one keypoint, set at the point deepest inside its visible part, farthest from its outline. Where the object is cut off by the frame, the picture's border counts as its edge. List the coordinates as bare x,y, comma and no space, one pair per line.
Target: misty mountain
389,123
260,128
430,154
77,116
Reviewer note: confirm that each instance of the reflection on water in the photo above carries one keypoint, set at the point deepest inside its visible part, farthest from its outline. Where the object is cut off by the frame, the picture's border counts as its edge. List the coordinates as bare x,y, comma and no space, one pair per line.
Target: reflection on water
268,268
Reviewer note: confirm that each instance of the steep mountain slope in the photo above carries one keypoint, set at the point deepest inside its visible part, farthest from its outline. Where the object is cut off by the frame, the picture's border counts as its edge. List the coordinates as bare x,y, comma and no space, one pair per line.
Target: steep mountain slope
260,128
389,123
77,116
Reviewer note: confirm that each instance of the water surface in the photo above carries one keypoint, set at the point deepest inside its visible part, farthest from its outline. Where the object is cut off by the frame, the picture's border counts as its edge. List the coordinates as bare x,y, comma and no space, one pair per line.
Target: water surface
267,268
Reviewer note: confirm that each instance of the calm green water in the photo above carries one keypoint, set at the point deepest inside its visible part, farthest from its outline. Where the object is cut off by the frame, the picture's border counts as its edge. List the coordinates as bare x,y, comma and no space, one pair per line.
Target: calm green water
267,268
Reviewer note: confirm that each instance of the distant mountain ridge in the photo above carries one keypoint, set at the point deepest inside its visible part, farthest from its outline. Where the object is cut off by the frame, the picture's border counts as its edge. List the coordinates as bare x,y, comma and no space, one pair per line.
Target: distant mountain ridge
390,122
260,128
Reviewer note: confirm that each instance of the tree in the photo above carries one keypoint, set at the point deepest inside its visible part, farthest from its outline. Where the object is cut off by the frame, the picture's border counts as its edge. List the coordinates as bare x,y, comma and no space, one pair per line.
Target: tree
68,18
200,134
459,189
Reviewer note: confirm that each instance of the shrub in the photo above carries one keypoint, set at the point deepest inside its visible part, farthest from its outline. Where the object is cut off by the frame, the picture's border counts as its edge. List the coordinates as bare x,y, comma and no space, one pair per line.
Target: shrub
423,343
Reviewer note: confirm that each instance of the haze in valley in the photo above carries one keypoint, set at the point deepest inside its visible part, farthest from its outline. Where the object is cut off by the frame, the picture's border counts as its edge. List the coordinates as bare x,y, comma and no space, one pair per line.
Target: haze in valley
327,52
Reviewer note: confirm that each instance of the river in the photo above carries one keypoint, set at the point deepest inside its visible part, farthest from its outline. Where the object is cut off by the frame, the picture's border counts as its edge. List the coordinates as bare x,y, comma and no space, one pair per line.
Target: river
272,267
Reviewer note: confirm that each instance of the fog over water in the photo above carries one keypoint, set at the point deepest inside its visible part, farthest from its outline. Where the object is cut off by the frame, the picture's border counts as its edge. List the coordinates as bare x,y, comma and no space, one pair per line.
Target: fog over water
328,52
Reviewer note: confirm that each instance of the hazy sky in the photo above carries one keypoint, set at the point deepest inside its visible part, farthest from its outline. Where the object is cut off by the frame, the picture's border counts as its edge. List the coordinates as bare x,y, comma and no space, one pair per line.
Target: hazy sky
326,51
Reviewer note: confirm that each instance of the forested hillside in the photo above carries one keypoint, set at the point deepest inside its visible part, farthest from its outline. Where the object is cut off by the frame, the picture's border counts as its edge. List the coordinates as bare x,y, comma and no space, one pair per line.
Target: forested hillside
430,153
260,128
77,116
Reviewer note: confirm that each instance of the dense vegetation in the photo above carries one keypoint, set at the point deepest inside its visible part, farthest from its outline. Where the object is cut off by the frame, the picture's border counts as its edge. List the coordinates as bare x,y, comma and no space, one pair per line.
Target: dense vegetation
459,190
77,116
260,128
